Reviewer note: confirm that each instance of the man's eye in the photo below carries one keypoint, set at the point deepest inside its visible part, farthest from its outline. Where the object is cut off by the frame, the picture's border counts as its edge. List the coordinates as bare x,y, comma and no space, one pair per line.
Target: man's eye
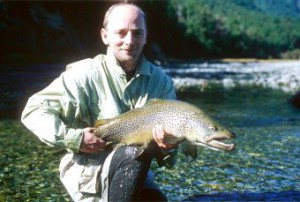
121,33
137,33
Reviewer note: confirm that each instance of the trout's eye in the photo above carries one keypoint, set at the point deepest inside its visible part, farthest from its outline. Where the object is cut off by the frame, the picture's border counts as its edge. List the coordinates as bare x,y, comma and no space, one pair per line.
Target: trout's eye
212,128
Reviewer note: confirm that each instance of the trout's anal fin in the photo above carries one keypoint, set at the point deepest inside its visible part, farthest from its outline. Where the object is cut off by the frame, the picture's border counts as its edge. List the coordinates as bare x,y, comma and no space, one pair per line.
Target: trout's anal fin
140,150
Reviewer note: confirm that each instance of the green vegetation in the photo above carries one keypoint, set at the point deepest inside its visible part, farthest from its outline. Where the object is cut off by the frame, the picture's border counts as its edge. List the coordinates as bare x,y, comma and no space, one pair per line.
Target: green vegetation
237,28
294,54
56,32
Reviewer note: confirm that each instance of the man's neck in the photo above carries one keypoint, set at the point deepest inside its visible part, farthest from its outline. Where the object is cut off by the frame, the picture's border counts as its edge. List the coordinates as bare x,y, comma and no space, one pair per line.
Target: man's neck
129,75
130,69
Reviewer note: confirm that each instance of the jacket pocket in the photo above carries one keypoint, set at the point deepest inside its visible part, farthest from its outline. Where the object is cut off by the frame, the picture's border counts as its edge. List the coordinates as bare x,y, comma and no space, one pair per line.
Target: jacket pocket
89,181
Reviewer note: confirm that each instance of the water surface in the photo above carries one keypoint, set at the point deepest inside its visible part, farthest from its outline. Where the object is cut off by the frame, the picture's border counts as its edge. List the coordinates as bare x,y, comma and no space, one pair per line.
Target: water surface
266,162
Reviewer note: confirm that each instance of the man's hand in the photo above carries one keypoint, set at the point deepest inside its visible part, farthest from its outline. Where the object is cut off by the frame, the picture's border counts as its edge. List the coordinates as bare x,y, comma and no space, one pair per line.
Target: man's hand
91,143
159,135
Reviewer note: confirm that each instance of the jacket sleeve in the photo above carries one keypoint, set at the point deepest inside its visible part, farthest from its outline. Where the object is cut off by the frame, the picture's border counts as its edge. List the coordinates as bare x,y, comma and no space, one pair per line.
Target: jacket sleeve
168,91
47,114
162,86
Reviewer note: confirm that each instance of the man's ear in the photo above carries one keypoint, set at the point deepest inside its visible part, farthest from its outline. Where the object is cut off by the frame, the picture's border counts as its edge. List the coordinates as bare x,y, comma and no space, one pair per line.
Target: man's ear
103,33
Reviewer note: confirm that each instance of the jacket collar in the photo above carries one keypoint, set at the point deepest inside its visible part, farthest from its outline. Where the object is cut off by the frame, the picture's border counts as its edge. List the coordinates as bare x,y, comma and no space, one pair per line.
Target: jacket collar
143,67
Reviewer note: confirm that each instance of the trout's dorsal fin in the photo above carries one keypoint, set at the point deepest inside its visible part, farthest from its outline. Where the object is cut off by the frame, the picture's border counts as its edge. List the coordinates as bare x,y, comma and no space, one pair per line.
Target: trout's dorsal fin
153,101
101,122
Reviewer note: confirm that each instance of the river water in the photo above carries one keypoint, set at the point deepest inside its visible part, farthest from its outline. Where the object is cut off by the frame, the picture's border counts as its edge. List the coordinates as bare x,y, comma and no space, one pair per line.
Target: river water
265,165
266,162
250,99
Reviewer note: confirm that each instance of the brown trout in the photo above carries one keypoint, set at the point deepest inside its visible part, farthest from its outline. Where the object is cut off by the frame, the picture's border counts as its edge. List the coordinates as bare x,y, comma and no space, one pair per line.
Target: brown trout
185,122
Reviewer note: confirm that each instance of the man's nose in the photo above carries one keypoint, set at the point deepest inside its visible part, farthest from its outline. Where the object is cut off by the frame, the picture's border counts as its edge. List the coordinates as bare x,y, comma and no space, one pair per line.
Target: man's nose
128,38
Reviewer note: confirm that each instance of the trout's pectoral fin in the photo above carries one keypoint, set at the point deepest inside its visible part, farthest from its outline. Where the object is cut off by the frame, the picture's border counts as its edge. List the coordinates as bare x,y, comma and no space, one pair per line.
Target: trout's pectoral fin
170,139
189,150
173,139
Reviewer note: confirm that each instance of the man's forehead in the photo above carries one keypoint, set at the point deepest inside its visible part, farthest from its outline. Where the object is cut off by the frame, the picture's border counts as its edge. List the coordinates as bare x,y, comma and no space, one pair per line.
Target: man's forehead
126,23
120,15
126,7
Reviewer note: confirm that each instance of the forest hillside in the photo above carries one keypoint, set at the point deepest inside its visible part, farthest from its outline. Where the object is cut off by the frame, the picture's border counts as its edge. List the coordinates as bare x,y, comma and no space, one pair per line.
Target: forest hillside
64,31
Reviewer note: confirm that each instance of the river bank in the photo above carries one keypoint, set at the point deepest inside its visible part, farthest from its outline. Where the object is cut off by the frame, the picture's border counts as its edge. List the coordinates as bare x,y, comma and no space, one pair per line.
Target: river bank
19,82
276,74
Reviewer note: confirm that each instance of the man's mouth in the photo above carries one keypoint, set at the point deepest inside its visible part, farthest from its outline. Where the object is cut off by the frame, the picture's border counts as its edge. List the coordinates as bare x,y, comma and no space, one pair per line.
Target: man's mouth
128,49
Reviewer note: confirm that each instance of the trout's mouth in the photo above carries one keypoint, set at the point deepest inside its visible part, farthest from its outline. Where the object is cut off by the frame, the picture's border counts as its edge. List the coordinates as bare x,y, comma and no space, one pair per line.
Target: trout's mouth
216,142
221,145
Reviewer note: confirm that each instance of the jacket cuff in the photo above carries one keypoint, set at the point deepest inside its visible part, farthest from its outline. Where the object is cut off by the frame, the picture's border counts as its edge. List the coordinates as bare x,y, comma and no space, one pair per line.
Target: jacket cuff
73,139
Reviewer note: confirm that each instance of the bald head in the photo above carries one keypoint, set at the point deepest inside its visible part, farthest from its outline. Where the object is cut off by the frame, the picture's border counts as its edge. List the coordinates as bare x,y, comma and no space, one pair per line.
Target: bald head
118,8
125,34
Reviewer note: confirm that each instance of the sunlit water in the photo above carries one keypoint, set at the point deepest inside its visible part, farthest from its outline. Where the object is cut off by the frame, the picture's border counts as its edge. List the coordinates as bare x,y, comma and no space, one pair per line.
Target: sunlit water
266,162
264,166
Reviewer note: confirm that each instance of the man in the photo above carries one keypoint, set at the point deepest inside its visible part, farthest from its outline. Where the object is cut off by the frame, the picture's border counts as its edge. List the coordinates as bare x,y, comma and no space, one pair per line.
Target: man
63,113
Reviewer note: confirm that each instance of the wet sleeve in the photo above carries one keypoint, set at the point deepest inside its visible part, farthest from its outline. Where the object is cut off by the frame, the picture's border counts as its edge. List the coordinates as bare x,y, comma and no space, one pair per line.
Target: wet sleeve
46,115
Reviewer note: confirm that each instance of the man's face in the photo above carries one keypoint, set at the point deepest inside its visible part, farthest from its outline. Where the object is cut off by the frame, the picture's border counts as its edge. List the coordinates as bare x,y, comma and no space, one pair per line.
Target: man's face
125,34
